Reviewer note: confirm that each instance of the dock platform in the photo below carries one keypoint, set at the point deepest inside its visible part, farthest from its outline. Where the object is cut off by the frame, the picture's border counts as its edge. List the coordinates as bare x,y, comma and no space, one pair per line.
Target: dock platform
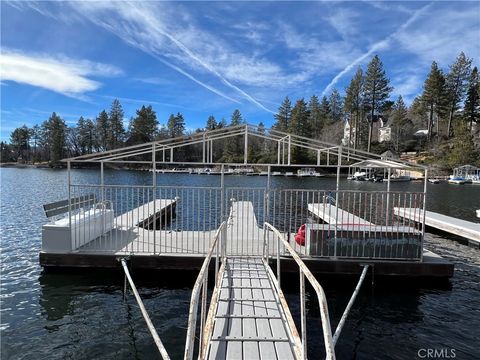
251,320
163,249
455,226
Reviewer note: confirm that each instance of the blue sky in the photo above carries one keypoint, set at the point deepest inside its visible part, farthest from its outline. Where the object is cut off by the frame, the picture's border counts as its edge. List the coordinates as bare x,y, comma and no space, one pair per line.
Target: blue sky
202,58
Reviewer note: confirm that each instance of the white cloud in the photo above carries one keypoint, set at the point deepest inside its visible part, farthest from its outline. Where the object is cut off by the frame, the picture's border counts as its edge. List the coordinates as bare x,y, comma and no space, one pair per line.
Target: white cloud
380,45
148,26
62,75
446,32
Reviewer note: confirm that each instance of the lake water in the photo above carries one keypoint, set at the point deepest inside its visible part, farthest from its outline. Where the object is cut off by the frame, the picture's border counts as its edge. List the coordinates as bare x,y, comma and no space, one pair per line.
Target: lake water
83,315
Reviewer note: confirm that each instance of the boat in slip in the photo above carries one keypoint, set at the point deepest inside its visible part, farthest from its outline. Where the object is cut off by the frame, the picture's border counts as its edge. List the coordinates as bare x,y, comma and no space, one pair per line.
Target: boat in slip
434,181
466,174
456,180
307,172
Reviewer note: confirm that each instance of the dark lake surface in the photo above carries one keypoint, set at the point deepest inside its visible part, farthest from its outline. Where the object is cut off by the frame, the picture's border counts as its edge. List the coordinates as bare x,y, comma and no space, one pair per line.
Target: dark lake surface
83,315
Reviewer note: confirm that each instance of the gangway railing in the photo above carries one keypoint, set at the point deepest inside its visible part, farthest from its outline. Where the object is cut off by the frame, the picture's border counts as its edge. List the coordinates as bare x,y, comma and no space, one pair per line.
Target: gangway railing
329,340
201,287
322,299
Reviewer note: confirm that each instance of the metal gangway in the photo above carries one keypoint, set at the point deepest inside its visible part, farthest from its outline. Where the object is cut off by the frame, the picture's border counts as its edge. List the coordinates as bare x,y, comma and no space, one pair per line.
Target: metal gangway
248,316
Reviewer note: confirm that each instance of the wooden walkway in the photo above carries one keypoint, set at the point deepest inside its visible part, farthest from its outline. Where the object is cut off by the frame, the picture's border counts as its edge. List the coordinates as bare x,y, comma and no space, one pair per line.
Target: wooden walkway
144,214
328,213
459,227
251,318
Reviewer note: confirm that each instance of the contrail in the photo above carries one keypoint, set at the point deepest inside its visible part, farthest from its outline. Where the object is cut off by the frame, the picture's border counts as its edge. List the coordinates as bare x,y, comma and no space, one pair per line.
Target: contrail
375,47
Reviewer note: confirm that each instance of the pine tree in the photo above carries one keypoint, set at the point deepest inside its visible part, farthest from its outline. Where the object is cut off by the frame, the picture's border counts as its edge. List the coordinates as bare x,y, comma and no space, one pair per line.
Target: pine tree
20,141
401,127
463,151
300,125
336,105
456,83
283,116
472,102
85,134
316,122
102,130
234,147
55,131
325,111
211,123
117,130
237,118
35,134
143,128
176,125
222,124
376,91
353,104
433,96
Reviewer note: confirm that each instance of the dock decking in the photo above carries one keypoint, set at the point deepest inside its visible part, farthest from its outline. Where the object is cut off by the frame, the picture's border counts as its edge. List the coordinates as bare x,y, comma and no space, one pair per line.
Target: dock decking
250,320
455,226
333,215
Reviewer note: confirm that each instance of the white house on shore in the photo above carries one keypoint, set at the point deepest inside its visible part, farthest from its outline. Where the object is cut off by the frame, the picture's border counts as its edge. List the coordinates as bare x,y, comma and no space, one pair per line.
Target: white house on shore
382,131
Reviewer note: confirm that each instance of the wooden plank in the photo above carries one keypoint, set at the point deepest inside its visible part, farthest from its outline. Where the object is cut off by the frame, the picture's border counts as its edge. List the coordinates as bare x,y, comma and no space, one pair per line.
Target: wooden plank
135,216
459,227
328,213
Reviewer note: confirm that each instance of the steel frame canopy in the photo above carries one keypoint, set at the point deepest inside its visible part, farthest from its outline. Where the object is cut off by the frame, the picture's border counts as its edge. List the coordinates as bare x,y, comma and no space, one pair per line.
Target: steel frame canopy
163,151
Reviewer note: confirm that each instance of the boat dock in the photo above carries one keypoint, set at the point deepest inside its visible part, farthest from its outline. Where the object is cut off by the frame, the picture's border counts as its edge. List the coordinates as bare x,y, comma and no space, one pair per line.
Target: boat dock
240,234
131,234
451,225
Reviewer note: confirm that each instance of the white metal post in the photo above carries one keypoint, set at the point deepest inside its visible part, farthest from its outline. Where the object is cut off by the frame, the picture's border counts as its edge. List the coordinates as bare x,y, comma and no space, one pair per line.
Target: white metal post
424,212
266,252
224,217
154,185
389,172
69,201
102,182
245,153
337,196
203,148
289,148
278,152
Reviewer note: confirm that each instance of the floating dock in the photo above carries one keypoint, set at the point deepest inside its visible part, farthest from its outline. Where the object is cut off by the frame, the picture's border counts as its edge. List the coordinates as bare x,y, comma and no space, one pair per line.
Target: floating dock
455,226
185,250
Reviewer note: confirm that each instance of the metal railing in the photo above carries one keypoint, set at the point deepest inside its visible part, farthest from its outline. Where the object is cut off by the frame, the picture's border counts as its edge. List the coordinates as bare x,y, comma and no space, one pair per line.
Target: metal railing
322,300
358,224
329,340
201,287
147,219
134,219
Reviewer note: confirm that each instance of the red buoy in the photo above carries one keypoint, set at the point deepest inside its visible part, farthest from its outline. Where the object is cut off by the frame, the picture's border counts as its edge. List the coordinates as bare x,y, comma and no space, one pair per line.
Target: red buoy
300,236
